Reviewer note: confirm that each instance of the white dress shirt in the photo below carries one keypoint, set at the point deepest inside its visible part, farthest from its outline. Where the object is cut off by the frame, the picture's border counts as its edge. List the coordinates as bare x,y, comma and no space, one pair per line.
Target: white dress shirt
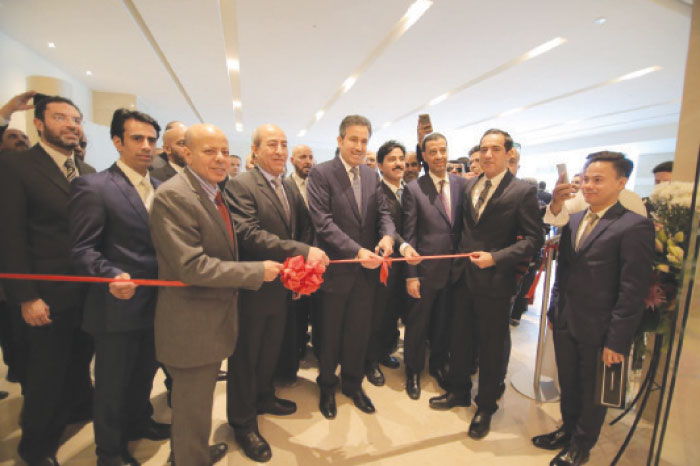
479,187
141,183
58,158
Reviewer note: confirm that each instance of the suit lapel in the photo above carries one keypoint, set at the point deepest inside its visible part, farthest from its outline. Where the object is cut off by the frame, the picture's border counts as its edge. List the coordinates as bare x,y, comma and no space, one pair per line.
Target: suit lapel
343,180
45,165
211,210
497,194
428,187
608,219
129,191
272,196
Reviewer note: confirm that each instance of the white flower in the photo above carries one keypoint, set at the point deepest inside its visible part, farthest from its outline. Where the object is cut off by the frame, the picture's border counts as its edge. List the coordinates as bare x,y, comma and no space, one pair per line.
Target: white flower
673,192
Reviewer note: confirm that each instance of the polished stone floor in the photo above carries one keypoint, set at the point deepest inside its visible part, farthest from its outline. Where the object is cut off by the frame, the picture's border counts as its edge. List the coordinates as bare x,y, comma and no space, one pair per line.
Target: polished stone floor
401,432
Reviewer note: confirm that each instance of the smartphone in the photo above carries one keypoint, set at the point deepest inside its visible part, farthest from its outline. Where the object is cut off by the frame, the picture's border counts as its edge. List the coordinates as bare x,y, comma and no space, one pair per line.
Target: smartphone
563,176
424,119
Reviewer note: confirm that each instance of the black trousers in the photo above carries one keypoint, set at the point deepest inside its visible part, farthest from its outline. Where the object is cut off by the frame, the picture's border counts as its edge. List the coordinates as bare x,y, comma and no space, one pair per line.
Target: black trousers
489,316
12,341
576,364
57,384
295,337
520,301
427,318
347,322
251,368
125,364
388,301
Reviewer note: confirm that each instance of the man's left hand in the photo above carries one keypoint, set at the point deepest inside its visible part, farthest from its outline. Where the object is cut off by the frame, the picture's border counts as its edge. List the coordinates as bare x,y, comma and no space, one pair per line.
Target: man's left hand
317,255
386,244
123,290
610,357
409,252
482,259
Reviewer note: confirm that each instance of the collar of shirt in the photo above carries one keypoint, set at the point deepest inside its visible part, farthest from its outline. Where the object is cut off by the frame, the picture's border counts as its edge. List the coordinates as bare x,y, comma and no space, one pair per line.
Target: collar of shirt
348,167
211,191
269,177
495,181
135,178
601,213
393,188
58,158
176,167
437,180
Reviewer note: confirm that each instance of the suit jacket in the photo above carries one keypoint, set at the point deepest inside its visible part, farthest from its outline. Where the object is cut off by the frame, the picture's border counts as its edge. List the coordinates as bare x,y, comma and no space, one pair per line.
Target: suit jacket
263,230
510,228
163,172
341,231
599,291
196,325
110,235
34,235
428,229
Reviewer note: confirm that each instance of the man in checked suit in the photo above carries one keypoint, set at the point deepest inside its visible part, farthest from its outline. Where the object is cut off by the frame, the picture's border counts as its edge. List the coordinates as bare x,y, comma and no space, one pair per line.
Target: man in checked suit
35,188
603,274
432,212
196,326
271,222
351,219
502,226
108,215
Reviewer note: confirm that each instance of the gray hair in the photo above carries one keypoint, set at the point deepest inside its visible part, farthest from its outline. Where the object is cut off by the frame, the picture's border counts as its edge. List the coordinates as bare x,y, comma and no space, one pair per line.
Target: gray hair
354,120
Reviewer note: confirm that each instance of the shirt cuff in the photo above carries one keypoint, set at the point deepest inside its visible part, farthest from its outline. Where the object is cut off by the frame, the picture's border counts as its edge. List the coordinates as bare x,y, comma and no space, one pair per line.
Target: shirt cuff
402,248
558,220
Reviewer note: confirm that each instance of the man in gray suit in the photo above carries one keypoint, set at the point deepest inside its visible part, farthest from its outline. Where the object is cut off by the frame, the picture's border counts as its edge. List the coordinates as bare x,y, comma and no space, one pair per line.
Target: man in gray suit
196,326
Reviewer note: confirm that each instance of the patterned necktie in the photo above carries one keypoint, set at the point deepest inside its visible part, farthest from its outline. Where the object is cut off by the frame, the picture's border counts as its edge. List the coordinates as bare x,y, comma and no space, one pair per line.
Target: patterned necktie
399,194
280,194
357,187
445,201
71,172
225,215
482,197
592,221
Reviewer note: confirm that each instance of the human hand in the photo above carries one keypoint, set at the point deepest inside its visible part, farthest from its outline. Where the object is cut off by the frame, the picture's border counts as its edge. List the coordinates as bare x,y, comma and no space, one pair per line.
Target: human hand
123,290
409,252
610,357
413,287
17,103
369,260
317,255
272,269
482,259
386,244
36,312
561,193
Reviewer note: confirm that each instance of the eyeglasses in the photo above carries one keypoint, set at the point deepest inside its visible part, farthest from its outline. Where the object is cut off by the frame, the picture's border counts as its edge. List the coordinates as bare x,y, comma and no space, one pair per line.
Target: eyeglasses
456,169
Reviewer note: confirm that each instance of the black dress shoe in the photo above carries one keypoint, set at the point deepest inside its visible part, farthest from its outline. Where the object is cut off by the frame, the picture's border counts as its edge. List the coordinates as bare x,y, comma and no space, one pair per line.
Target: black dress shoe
278,407
153,431
374,374
440,375
327,404
216,453
3,394
47,461
222,376
389,361
571,455
413,385
553,440
480,426
124,460
128,460
449,400
501,390
169,398
361,400
254,446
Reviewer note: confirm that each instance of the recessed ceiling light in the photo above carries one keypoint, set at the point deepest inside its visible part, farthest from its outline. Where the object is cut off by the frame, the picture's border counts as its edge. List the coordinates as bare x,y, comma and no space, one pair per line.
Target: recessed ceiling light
512,111
415,11
88,72
386,125
301,133
51,45
439,99
233,64
544,48
599,21
638,73
236,104
319,114
348,83
239,127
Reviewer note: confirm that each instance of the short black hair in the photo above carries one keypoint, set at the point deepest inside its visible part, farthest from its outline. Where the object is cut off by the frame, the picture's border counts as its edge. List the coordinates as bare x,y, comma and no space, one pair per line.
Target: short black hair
623,165
508,141
387,147
120,117
40,105
432,137
476,148
663,167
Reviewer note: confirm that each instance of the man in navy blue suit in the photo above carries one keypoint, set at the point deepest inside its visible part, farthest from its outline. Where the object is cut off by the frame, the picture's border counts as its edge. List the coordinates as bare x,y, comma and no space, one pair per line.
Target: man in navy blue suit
110,237
352,220
603,274
432,223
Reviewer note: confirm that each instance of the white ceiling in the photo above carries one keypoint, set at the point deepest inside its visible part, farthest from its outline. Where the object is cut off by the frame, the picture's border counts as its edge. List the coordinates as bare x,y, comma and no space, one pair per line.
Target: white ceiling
295,55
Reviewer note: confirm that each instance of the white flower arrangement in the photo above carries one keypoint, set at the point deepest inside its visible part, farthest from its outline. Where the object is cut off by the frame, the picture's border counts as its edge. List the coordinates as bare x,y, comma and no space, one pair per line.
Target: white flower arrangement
679,193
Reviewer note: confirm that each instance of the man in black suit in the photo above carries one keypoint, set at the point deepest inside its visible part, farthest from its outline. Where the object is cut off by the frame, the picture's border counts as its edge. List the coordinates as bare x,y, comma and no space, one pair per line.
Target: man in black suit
108,216
173,148
603,274
432,214
272,223
351,219
389,299
35,185
502,226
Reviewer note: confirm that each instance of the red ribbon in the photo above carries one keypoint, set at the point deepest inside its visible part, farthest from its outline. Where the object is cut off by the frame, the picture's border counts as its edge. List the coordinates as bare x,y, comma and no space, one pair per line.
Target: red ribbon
530,296
74,278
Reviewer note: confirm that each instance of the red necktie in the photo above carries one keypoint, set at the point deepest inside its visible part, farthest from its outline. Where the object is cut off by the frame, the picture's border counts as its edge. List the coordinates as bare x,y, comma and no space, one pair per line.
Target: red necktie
225,216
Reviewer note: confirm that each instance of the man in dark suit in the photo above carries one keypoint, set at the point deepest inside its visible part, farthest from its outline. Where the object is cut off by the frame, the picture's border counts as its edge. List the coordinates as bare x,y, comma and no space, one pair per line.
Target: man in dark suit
603,274
35,185
196,327
173,148
389,299
160,160
108,215
502,226
272,222
432,212
351,219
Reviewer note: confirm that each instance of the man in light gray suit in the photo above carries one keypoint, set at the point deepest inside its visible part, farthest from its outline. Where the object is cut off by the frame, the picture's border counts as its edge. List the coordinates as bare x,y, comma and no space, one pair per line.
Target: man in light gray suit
196,326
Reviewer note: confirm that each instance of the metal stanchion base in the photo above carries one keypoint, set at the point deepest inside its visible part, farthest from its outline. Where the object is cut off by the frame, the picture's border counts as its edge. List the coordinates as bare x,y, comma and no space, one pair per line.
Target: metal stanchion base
522,381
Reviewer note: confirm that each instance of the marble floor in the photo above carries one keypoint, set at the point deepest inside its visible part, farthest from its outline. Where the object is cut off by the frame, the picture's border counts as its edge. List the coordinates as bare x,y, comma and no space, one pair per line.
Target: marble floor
401,432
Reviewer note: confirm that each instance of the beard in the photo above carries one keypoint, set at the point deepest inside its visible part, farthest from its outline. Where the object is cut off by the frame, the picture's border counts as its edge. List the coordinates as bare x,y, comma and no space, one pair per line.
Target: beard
55,139
178,159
